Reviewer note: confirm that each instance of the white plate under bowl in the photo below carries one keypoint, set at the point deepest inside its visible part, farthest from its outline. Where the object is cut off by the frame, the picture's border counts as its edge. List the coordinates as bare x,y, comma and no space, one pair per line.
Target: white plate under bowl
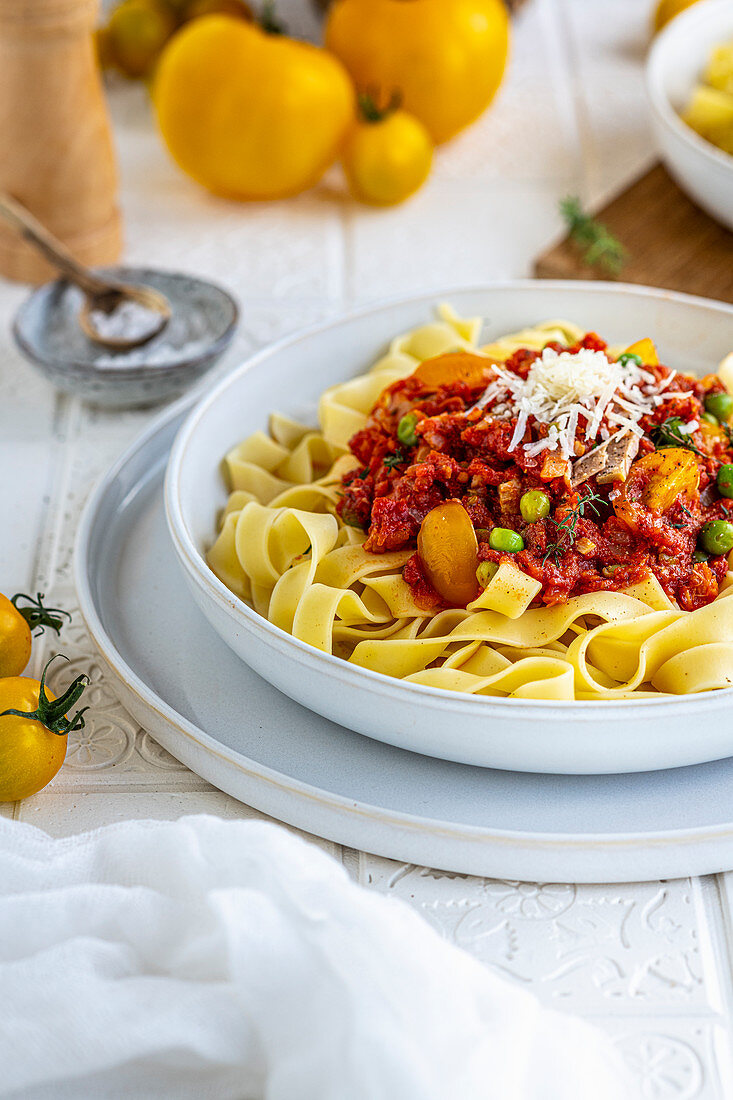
675,65
525,735
184,685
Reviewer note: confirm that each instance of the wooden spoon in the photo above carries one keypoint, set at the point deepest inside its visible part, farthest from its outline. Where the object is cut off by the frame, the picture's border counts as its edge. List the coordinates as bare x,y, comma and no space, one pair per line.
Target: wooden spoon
102,297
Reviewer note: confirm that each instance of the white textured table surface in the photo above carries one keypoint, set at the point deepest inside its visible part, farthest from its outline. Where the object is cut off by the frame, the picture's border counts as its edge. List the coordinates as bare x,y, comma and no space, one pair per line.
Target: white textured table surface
650,962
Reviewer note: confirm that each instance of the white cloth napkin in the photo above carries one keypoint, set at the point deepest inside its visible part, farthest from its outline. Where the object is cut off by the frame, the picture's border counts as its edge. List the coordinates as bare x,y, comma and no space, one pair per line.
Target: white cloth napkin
215,959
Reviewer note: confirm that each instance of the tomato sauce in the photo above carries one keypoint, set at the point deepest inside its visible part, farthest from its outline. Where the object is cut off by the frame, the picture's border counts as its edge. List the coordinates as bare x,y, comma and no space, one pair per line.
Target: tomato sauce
586,543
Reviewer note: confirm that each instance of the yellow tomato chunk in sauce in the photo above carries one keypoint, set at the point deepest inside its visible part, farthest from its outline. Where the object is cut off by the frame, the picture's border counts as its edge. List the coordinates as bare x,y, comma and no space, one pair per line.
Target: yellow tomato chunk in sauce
448,550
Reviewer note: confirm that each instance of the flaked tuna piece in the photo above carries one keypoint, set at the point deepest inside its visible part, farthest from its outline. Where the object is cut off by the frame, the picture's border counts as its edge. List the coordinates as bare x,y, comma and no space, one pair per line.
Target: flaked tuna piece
608,463
620,454
589,465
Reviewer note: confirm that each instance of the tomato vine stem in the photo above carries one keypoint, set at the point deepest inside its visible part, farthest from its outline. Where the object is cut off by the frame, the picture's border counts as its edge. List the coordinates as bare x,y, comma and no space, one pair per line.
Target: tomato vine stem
369,107
51,713
37,615
269,20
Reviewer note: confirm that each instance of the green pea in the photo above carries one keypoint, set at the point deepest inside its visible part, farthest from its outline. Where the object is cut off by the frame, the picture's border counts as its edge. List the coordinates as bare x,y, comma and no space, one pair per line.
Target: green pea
710,419
716,537
720,405
406,429
534,505
511,543
630,357
725,480
699,555
486,571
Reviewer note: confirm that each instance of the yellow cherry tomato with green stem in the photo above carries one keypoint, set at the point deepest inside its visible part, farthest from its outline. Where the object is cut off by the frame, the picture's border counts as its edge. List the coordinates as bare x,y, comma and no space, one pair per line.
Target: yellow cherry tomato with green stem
33,732
388,154
17,625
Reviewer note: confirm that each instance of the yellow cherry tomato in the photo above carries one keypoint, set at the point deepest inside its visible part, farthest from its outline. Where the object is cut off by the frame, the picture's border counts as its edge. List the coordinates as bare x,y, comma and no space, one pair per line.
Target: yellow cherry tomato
33,743
387,157
448,550
446,57
250,114
237,8
16,628
655,482
15,639
136,33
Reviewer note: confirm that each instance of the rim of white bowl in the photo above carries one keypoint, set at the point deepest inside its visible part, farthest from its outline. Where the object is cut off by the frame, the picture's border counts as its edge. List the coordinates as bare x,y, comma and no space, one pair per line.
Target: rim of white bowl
236,609
656,93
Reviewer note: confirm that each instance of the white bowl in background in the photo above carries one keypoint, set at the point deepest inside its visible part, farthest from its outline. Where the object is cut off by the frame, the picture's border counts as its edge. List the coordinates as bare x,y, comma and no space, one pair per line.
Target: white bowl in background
675,65
524,735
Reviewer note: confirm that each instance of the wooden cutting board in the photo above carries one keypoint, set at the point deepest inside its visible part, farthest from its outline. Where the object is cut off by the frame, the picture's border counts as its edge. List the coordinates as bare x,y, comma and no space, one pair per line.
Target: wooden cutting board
670,242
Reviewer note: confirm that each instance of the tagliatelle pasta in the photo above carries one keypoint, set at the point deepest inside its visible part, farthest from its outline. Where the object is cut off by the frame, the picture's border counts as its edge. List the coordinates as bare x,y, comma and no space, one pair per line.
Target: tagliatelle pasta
288,547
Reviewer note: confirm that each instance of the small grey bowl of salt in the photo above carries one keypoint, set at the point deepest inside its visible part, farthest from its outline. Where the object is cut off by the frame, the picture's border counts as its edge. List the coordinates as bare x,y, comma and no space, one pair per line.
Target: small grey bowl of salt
202,324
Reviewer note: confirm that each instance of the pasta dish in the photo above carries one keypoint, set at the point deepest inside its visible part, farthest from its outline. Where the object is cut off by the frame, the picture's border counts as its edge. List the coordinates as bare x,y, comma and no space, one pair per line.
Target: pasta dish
541,517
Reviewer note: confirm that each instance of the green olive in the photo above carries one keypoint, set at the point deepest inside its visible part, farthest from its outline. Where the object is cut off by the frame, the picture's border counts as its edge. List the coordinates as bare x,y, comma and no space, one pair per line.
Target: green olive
710,419
725,480
699,555
534,505
406,429
716,537
720,405
630,357
486,571
510,542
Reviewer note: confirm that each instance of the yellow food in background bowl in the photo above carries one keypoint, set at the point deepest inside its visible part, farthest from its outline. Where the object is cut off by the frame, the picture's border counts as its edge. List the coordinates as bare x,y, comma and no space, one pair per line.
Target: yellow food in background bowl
710,110
666,10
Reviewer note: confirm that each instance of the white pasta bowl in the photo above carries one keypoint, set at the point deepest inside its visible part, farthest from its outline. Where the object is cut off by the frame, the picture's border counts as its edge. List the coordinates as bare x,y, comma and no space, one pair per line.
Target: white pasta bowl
674,66
692,334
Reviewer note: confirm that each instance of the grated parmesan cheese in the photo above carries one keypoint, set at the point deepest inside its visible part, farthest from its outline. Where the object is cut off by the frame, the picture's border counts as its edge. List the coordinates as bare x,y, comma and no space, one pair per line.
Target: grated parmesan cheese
565,389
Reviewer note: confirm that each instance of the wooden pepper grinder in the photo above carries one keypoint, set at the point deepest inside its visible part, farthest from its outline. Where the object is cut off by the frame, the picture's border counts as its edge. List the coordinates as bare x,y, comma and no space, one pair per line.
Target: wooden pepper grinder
56,152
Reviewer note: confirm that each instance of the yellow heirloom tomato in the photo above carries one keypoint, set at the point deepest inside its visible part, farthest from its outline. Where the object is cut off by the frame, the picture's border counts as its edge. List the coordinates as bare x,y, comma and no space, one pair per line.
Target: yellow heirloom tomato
446,57
387,155
33,733
247,113
16,627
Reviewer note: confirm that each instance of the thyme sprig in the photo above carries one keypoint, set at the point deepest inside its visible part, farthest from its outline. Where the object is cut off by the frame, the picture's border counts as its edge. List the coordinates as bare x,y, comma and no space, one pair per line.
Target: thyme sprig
600,247
390,461
669,434
686,513
567,526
